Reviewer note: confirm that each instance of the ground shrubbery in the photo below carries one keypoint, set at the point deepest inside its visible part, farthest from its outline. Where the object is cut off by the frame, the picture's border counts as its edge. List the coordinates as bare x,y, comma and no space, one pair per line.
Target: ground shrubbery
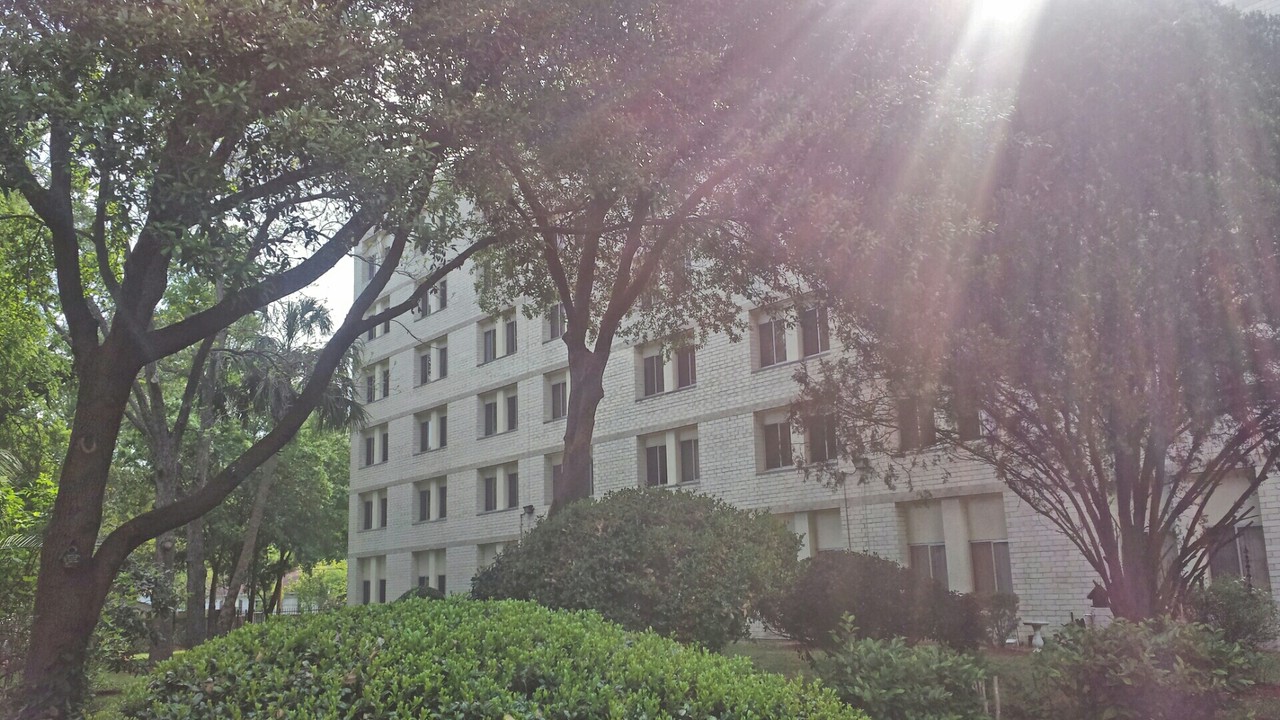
1155,670
690,567
891,680
466,659
886,599
1244,614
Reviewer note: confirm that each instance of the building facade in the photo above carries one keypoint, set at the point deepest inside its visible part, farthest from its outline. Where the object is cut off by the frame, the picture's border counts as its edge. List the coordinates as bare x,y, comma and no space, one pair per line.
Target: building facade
466,423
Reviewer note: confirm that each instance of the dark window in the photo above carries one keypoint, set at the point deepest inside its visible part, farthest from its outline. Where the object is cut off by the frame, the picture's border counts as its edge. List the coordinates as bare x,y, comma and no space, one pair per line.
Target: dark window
773,343
555,320
422,581
373,332
557,472
368,515
369,388
382,590
991,569
442,506
368,450
654,380
364,592
777,445
916,427
559,397
440,583
686,368
513,489
424,366
424,435
511,337
386,382
370,267
513,411
424,503
382,512
442,292
930,561
386,328
443,422
490,493
1243,556
821,439
689,471
655,465
814,333
490,418
443,361
424,303
386,445
490,345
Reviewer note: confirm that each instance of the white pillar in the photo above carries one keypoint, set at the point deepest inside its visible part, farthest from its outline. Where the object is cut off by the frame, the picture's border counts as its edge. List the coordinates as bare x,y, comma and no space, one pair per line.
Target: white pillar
955,533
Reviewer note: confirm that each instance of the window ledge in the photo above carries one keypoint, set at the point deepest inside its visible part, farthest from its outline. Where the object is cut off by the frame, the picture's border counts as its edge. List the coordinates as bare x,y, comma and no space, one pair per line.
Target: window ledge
430,522
665,393
497,511
380,462
555,420
371,530
777,470
500,434
428,451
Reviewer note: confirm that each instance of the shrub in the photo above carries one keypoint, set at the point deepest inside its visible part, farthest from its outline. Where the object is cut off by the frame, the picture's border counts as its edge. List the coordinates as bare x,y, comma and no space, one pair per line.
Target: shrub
891,680
466,659
1154,670
887,599
1244,614
999,613
690,567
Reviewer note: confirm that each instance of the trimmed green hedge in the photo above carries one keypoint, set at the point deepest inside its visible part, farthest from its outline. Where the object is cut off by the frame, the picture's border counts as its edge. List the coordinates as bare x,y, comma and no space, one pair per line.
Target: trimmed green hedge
463,659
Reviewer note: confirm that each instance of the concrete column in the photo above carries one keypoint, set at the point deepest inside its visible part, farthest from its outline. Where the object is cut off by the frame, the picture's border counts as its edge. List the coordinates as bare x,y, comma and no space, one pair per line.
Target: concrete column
673,457
800,526
955,533
669,373
793,343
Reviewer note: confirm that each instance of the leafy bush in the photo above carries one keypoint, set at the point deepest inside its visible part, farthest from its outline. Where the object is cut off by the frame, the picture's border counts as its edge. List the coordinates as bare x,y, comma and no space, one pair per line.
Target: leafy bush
690,567
1155,670
887,599
465,659
323,587
1244,614
999,613
891,680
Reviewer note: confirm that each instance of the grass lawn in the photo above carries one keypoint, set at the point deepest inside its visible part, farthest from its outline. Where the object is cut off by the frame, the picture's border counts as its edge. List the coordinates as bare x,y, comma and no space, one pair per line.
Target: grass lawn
109,691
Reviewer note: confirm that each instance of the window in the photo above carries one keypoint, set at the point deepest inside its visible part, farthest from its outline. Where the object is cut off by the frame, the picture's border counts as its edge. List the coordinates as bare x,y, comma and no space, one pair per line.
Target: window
429,567
497,338
654,377
424,503
513,489
689,469
434,300
814,334
556,395
378,331
377,381
442,501
442,297
820,439
772,335
486,553
365,598
655,465
498,411
775,440
916,423
433,428
377,445
373,510
499,487
1243,555
433,360
489,352
992,572
686,368
930,561
510,346
669,457
382,590
555,321
553,469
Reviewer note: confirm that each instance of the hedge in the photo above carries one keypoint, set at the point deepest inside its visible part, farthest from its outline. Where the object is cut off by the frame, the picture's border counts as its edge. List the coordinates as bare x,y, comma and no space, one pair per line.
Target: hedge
463,659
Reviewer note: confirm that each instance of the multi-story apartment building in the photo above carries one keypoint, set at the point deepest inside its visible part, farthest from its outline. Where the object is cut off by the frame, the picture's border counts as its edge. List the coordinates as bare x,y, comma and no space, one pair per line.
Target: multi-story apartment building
466,421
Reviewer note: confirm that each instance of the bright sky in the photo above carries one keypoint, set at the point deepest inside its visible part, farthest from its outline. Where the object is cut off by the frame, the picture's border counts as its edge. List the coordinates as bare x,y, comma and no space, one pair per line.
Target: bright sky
335,288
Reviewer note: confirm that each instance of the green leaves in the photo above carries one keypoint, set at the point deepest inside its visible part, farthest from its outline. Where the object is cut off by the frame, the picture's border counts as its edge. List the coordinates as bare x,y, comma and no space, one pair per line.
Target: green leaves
468,660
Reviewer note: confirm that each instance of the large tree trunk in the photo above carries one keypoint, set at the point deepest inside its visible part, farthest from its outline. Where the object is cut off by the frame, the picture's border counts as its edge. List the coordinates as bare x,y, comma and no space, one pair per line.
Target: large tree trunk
197,616
73,583
586,390
164,600
249,550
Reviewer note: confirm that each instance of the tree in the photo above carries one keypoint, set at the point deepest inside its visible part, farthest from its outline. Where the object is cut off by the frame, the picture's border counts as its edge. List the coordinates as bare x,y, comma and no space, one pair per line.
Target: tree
247,141
1100,326
652,159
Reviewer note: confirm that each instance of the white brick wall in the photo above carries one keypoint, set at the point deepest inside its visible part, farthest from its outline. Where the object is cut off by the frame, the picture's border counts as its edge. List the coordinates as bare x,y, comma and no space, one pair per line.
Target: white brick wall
1049,575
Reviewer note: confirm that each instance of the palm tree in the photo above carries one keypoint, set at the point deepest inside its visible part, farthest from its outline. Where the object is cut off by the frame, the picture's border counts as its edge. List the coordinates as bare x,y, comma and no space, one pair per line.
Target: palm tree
278,359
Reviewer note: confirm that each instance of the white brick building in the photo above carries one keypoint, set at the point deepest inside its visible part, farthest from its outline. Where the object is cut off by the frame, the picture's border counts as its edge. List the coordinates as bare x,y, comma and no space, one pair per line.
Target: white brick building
466,423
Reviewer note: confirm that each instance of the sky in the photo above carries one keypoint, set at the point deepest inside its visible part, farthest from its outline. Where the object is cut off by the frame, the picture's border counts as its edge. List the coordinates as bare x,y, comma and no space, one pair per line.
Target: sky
335,288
